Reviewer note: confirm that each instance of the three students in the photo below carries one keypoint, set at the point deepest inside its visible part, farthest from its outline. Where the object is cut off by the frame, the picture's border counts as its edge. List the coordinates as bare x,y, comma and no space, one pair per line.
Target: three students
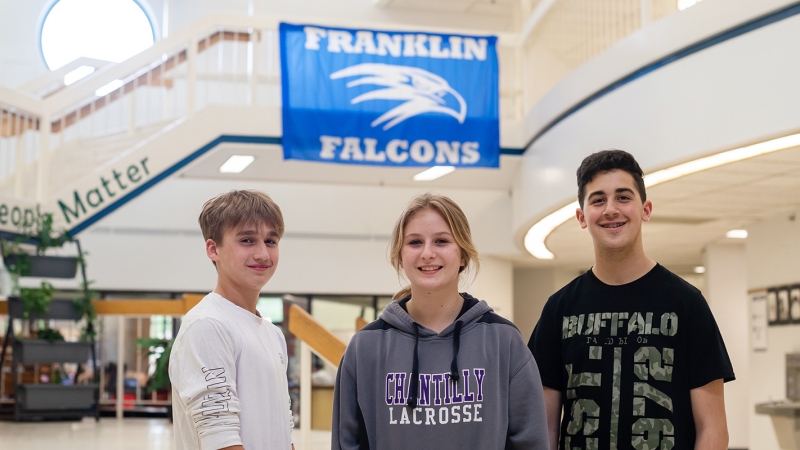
629,353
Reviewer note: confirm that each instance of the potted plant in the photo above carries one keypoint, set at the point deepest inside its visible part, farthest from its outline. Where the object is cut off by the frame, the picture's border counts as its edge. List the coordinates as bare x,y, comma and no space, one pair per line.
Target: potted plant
25,257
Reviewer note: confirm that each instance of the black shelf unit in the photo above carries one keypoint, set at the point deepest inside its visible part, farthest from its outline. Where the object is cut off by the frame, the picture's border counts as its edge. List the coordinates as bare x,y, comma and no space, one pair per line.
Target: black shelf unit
52,401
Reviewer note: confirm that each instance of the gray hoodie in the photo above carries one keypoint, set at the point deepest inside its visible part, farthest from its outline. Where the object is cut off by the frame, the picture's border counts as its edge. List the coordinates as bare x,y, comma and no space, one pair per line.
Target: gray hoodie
475,385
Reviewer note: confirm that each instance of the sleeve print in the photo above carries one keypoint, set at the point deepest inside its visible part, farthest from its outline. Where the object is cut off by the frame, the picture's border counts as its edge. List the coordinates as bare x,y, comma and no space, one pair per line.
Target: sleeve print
208,384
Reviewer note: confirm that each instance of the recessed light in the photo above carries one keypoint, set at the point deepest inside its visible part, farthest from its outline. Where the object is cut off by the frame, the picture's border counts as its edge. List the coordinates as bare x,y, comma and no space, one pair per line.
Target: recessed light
699,269
77,74
236,163
434,173
736,234
110,87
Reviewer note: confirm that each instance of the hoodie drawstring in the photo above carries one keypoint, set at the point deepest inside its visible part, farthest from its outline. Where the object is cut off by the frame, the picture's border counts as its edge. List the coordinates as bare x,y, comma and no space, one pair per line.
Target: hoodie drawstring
412,400
454,375
456,342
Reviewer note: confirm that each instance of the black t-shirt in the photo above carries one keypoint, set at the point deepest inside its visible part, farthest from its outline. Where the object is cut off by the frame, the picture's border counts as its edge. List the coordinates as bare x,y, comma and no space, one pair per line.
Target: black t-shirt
625,358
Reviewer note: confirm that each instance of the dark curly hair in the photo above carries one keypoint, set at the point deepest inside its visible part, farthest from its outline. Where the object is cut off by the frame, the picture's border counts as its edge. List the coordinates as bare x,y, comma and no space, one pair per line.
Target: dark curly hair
603,162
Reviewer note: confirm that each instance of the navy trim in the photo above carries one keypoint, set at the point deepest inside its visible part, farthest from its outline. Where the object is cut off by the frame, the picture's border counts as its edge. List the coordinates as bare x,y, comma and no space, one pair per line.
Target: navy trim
718,38
223,139
512,151
169,171
491,318
379,324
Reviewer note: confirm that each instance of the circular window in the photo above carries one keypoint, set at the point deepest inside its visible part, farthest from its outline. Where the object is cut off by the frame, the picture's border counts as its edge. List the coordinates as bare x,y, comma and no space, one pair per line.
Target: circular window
111,30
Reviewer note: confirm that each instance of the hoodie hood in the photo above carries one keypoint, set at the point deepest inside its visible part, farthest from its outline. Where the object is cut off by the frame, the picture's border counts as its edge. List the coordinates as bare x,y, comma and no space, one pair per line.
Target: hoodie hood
396,316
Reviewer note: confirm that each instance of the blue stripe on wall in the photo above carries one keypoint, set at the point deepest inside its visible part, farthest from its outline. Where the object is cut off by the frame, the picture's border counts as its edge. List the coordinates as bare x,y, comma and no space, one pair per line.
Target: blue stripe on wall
182,163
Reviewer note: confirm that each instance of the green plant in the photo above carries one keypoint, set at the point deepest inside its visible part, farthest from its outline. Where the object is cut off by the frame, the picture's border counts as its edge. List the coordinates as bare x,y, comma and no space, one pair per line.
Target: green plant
19,263
36,300
49,335
83,304
43,234
160,379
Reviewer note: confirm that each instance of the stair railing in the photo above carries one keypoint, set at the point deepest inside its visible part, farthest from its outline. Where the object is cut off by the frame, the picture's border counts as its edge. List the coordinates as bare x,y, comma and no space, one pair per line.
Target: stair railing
313,338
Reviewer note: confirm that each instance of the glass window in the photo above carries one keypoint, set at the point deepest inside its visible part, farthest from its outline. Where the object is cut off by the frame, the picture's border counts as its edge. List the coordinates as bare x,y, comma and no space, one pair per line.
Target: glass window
111,30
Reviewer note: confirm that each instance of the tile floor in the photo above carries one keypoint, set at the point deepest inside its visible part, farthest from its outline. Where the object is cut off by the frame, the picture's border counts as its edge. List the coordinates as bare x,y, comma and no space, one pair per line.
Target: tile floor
108,434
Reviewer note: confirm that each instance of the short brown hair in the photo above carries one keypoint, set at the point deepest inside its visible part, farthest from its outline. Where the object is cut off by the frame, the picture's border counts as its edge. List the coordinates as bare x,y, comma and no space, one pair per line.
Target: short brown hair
605,161
235,208
456,220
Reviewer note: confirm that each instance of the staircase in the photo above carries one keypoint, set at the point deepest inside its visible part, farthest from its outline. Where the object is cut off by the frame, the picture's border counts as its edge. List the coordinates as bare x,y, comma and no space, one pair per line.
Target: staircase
65,139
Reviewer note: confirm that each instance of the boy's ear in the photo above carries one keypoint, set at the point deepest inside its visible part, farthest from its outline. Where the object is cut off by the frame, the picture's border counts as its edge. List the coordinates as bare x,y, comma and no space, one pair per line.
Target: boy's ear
212,250
581,217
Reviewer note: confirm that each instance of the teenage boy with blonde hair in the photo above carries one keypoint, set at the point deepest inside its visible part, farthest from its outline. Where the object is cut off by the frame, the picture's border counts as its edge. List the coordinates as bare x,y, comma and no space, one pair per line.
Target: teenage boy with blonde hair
228,364
629,349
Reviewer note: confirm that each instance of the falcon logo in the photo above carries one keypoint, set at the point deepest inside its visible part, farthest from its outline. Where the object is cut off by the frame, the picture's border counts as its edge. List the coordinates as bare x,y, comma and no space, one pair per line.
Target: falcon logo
423,92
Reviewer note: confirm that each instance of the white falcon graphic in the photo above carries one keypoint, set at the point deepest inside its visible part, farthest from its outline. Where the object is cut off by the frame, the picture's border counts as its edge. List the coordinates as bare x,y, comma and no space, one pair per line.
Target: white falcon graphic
423,91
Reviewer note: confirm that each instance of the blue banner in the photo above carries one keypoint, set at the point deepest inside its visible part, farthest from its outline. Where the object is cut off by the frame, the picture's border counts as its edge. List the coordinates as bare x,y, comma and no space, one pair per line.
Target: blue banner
389,98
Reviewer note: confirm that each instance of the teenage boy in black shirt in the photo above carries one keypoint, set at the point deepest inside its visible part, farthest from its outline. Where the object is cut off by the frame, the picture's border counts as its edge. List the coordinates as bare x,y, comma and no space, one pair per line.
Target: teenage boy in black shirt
629,349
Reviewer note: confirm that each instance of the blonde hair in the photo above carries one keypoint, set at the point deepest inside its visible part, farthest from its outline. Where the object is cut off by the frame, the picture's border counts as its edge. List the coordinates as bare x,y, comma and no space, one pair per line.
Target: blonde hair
455,219
238,208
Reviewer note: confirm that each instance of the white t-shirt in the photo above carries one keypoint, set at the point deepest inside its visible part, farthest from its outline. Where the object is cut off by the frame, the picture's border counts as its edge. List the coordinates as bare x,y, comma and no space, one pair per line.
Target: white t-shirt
229,387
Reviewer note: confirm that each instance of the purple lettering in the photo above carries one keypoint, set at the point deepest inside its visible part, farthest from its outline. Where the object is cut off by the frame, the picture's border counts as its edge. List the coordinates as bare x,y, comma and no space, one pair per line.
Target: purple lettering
437,388
479,374
468,395
389,380
448,390
457,397
425,389
399,388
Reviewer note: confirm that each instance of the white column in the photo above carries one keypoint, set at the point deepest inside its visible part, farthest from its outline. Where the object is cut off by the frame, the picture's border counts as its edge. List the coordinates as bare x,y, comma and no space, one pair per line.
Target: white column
495,284
120,366
191,76
305,396
44,154
726,292
646,12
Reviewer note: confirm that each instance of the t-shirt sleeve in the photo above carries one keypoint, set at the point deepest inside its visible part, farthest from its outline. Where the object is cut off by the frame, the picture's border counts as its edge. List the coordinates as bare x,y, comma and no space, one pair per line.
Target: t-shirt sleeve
708,357
545,344
206,382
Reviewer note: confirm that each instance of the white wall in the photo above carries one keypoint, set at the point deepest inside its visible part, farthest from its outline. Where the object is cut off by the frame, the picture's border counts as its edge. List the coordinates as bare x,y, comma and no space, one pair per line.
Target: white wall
336,239
494,283
726,293
532,288
717,99
773,259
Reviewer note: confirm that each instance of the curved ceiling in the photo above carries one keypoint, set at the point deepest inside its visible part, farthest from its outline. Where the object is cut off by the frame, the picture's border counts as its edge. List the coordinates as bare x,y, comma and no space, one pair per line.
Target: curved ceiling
694,211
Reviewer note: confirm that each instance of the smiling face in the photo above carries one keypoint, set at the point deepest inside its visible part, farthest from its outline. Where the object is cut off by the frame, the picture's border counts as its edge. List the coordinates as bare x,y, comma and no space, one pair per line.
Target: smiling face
246,258
613,212
430,256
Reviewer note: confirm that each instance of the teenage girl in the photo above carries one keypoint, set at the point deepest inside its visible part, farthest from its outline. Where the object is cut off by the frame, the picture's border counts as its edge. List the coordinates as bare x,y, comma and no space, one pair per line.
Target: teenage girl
439,369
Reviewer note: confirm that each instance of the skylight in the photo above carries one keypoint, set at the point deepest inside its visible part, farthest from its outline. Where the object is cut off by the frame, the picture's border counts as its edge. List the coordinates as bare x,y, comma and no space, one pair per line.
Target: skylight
110,30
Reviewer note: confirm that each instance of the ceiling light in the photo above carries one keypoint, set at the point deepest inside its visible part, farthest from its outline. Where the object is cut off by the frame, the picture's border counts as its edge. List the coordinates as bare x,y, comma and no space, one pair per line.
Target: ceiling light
107,89
684,4
236,163
536,235
534,238
736,234
434,173
720,159
699,269
77,74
